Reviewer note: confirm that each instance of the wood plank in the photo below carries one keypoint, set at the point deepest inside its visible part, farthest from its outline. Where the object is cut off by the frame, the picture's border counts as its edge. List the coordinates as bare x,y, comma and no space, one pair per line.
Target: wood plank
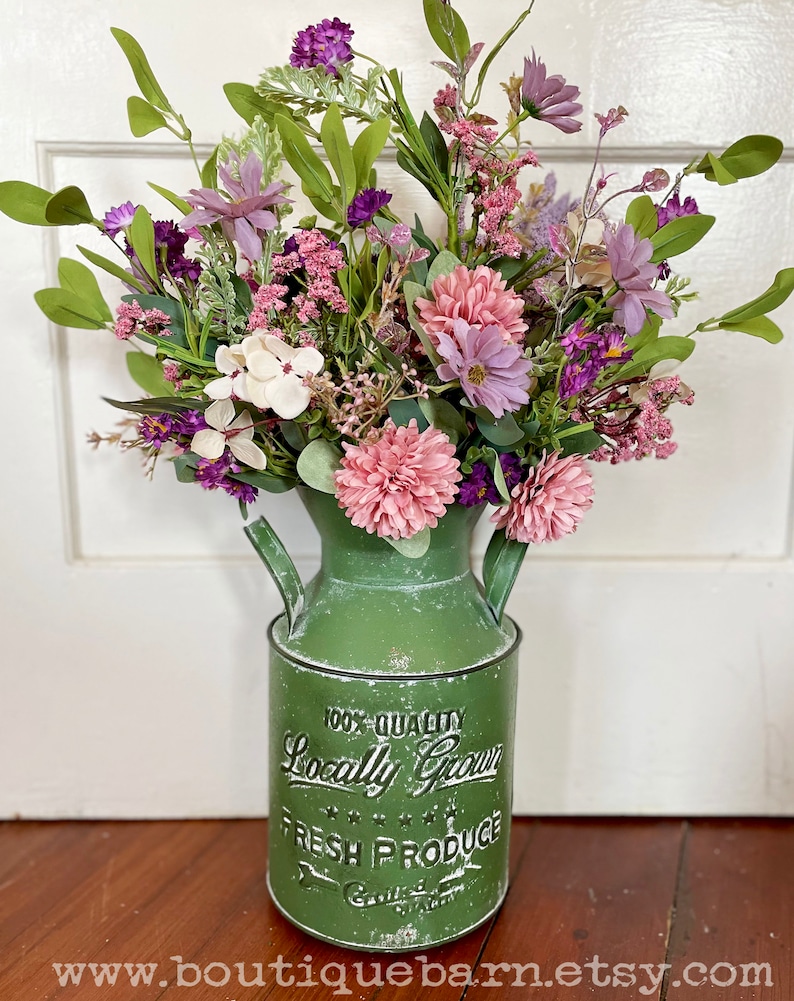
735,906
21,841
110,897
585,889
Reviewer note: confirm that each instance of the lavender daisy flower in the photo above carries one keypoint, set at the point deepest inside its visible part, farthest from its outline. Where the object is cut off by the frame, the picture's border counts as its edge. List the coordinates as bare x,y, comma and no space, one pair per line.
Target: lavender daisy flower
326,44
629,259
578,337
549,98
365,205
492,374
245,218
119,218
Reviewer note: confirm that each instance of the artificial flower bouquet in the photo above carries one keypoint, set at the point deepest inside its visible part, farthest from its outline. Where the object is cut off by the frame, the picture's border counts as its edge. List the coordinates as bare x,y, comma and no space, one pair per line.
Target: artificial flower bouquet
401,365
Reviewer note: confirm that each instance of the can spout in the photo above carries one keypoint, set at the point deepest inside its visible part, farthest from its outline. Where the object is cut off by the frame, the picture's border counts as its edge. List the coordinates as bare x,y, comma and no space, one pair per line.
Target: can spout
500,567
278,562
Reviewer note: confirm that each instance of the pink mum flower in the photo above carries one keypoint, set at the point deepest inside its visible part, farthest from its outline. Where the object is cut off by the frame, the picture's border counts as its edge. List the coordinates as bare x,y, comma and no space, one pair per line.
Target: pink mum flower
399,484
480,297
550,502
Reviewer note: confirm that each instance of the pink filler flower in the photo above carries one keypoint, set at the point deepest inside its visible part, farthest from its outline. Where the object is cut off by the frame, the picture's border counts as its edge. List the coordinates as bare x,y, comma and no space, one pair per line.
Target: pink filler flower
550,502
478,296
399,484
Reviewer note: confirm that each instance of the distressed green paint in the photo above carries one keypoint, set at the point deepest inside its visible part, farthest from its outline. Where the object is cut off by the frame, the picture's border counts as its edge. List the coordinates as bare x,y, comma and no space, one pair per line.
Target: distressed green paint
392,705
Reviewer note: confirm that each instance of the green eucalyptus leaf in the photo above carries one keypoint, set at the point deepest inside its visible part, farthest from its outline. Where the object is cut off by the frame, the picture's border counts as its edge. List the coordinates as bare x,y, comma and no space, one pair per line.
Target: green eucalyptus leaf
642,215
248,104
745,158
436,146
777,293
368,147
715,170
111,267
445,417
265,481
502,433
141,238
444,264
414,547
77,278
662,349
175,200
649,332
159,405
758,326
25,202
68,310
412,292
578,442
402,412
337,148
141,69
491,458
679,235
144,117
317,464
294,435
184,467
209,172
304,161
147,371
68,207
447,29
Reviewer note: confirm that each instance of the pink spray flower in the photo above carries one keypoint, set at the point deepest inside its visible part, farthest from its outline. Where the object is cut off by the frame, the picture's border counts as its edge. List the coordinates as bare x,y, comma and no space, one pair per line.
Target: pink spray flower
550,502
549,98
479,297
399,484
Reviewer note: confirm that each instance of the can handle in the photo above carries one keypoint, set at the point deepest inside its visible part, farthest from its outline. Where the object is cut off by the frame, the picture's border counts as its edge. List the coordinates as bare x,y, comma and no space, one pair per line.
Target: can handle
273,554
500,566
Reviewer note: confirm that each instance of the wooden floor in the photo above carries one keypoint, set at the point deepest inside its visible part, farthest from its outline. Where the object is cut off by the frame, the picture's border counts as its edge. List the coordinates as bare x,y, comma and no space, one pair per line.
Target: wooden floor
707,897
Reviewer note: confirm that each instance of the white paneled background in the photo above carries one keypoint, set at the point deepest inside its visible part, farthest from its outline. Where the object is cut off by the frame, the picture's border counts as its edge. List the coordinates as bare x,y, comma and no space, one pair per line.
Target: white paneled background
657,664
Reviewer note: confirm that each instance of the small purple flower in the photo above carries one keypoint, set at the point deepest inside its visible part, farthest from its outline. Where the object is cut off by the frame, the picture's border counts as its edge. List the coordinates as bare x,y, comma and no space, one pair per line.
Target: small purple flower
492,374
366,205
629,259
210,473
156,429
578,337
613,118
578,376
511,468
189,423
612,349
326,44
549,98
674,209
242,491
119,218
478,487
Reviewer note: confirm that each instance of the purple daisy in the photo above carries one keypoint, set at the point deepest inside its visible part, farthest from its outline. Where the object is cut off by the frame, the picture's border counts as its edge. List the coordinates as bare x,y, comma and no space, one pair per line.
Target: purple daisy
366,205
119,218
492,374
156,429
549,98
246,217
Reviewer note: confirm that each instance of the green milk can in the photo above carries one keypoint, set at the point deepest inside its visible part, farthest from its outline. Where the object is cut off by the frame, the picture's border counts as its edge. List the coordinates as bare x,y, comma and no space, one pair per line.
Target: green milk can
392,711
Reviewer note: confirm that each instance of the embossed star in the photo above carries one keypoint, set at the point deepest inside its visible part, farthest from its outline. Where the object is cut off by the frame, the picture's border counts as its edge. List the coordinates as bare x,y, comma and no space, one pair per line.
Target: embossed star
353,817
405,819
451,811
331,811
429,817
379,819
